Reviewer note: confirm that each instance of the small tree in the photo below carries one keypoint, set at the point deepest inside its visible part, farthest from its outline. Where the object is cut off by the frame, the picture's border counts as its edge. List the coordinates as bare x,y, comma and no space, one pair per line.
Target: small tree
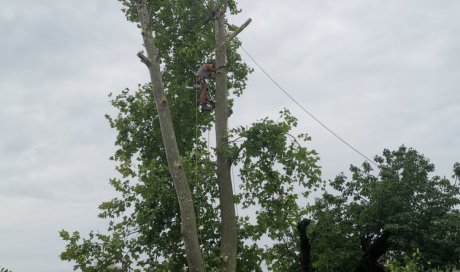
420,212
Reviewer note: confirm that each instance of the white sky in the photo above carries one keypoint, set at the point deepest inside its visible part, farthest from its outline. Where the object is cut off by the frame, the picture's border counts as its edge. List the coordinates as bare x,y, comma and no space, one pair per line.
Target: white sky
379,73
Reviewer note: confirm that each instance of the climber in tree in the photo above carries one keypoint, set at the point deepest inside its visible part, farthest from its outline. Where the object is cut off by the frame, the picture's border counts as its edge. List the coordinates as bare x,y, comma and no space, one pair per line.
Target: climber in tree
207,70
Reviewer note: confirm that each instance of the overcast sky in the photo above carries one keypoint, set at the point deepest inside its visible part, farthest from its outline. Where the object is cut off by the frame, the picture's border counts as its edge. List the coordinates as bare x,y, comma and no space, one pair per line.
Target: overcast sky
380,73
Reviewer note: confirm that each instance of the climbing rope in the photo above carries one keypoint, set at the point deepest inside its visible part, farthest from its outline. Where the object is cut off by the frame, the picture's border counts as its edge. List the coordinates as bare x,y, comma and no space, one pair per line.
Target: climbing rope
237,216
197,183
305,110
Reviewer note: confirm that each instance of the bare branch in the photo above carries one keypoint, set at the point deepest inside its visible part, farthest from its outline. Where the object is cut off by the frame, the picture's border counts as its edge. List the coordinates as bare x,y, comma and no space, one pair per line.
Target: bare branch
236,32
144,59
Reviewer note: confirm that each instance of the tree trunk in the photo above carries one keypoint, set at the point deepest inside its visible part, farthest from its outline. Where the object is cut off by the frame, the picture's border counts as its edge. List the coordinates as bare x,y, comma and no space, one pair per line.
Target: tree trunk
228,246
305,247
229,238
373,250
184,195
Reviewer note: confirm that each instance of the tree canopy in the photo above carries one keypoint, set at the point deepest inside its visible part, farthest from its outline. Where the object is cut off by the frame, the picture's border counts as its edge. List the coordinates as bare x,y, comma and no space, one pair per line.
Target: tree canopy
402,196
144,227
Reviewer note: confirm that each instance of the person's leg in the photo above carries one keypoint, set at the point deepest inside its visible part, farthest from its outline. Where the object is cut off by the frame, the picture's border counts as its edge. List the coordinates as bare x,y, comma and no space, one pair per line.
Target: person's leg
204,99
203,95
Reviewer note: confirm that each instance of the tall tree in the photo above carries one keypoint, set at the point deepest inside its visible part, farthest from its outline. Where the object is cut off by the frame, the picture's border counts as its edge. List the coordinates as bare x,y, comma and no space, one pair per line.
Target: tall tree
144,231
228,219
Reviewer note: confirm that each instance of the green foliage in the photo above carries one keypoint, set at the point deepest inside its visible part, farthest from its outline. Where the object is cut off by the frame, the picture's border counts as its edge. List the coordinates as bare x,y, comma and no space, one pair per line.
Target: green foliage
419,210
274,167
102,256
144,221
411,264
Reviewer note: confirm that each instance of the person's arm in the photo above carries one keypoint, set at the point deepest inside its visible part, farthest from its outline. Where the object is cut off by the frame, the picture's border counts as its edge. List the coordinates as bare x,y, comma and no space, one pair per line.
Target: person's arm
209,67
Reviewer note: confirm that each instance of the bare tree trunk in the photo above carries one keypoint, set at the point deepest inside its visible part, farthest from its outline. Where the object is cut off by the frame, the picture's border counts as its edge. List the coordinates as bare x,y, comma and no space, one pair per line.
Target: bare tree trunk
227,206
305,247
184,195
229,239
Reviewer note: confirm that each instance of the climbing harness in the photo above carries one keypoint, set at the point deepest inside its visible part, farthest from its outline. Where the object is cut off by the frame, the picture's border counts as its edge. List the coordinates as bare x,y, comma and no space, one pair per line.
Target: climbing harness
202,86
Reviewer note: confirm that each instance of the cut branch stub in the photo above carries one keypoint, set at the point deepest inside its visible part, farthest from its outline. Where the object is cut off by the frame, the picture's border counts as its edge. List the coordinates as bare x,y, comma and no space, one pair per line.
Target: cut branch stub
237,31
144,59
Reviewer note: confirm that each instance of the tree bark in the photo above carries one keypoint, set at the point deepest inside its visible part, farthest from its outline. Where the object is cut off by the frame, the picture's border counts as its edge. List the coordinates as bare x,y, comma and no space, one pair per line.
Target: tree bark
228,246
184,195
229,239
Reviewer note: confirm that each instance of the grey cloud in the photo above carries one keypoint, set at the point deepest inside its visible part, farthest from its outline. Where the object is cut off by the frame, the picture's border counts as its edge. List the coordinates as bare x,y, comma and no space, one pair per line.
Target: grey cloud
368,69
